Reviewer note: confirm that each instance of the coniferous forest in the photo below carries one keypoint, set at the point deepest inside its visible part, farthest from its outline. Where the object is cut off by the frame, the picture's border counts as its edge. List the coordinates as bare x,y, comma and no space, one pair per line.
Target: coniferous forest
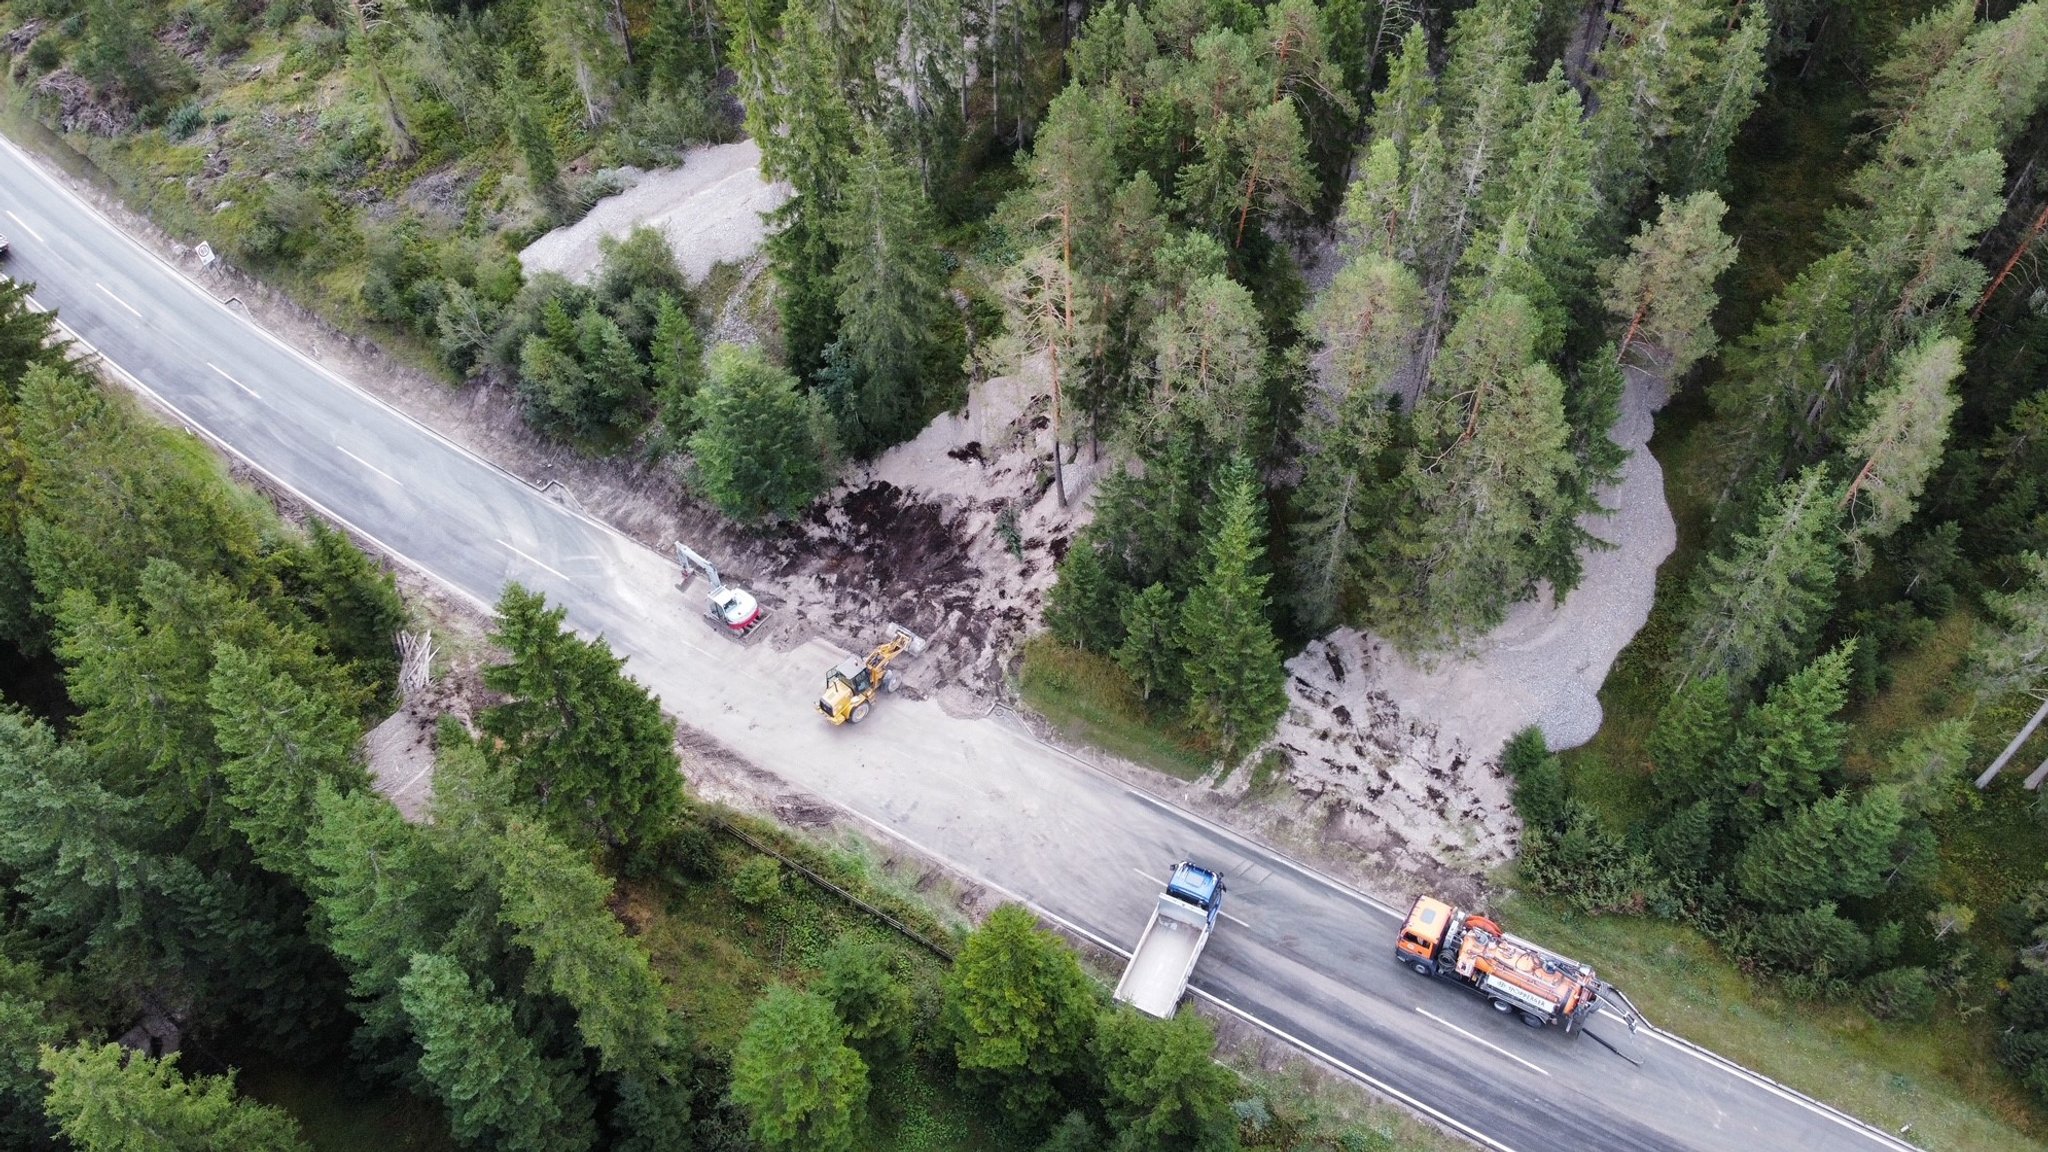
1349,293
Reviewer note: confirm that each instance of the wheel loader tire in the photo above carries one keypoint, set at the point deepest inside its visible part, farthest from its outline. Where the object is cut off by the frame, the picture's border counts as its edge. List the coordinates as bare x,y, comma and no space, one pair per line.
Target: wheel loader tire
891,681
1532,1020
860,712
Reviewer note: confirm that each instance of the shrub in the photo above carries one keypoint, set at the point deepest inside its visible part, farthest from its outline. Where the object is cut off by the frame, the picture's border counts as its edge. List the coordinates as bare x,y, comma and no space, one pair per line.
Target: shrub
45,54
860,981
757,884
188,118
1904,994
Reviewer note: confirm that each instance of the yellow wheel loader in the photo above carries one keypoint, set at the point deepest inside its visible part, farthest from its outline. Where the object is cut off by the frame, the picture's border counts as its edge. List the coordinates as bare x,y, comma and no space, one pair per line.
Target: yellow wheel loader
851,686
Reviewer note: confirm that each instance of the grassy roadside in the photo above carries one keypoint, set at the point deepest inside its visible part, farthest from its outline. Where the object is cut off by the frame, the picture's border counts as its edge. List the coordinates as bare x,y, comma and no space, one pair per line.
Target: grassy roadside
1090,700
1939,1077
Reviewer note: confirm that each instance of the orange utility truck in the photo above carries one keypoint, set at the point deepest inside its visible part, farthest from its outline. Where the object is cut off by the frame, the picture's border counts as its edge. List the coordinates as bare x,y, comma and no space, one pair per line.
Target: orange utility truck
1471,951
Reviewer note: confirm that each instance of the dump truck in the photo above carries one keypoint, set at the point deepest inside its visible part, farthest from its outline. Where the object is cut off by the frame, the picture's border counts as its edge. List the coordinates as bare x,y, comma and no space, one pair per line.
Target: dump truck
1165,957
1471,951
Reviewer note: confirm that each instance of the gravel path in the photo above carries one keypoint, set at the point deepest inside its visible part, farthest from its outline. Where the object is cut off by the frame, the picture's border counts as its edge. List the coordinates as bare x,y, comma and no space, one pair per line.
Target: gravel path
710,207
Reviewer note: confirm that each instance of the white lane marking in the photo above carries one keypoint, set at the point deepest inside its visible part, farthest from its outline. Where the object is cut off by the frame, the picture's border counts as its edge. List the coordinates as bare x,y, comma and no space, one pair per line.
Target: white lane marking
231,379
116,299
384,474
533,560
1477,1039
26,228
1381,1086
1145,874
1829,1111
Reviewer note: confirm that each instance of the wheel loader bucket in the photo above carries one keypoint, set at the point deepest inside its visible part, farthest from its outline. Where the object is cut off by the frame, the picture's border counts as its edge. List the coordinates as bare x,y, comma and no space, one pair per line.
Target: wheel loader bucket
911,640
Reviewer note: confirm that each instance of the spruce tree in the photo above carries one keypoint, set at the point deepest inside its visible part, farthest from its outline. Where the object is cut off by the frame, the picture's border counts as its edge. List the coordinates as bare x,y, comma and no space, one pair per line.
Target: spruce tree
1151,653
676,361
1663,290
588,745
1487,476
108,1099
1656,53
1759,605
1687,745
892,300
281,740
384,893
559,909
862,982
1829,850
1019,1013
799,1083
1165,1090
761,448
1900,443
1081,610
1335,504
496,1087
1787,747
1237,684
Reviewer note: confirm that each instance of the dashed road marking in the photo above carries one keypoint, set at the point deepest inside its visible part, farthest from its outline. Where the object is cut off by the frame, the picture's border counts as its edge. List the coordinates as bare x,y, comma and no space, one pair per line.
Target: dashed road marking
26,228
533,560
116,299
393,479
1477,1039
232,380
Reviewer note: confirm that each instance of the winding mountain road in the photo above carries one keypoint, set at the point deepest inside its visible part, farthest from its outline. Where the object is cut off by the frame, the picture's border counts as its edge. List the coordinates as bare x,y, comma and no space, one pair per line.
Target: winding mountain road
1298,954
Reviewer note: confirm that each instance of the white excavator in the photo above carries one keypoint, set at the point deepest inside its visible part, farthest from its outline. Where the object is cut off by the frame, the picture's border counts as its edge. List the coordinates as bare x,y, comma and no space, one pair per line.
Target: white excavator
732,610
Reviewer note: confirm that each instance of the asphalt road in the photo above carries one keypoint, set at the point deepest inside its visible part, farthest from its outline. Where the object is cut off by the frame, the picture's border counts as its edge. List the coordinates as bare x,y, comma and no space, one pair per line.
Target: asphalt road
1297,953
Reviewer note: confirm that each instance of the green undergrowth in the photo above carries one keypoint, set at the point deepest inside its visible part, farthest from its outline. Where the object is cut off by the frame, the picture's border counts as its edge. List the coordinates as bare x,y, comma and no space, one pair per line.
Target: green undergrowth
336,1114
1090,700
1940,1077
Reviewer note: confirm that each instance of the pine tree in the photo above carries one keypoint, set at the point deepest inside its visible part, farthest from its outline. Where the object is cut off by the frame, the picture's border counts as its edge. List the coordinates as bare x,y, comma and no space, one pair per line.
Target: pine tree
1786,747
1718,105
1664,289
1657,53
1151,653
1758,605
529,126
1900,443
589,746
1165,1092
384,894
2012,650
892,300
1081,610
106,1099
1210,373
559,910
1400,109
1928,767
1237,684
1366,320
281,740
1047,314
582,43
1533,213
1019,1012
497,1089
1792,368
762,448
802,1087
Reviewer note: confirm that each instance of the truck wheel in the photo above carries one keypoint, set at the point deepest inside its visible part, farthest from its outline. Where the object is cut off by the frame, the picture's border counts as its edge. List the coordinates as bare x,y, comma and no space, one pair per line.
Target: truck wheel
1425,968
1532,1020
1503,1006
860,712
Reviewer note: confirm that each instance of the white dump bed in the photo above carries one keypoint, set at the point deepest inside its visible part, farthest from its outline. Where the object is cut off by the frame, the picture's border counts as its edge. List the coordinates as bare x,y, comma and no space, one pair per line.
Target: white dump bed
1158,972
